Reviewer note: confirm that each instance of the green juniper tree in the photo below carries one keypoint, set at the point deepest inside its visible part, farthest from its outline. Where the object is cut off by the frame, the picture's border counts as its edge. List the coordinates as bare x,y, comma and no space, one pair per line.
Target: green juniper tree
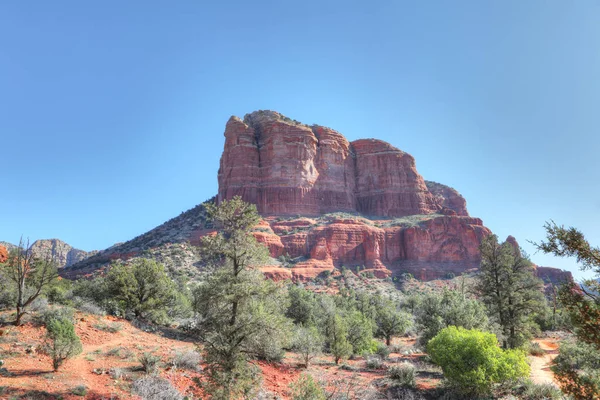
142,287
391,322
61,341
236,307
508,287
437,311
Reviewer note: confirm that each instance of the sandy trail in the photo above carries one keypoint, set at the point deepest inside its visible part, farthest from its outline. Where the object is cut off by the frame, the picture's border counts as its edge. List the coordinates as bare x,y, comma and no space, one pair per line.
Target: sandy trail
540,366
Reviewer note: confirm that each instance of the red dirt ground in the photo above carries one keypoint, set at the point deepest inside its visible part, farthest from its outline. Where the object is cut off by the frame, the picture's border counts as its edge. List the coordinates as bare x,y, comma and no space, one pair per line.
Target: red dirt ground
31,371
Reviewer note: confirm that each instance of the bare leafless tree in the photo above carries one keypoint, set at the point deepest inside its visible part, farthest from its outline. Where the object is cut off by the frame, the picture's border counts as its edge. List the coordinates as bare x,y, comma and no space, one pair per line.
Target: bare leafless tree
29,274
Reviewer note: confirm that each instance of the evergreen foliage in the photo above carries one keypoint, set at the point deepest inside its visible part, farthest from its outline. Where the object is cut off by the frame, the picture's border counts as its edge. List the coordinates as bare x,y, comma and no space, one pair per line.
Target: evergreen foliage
141,287
437,311
236,307
508,287
61,341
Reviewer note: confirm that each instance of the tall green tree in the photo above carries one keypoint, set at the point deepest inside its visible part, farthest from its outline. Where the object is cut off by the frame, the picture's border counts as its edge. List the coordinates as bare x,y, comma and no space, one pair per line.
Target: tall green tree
391,322
142,287
236,306
29,277
337,336
437,311
509,288
577,364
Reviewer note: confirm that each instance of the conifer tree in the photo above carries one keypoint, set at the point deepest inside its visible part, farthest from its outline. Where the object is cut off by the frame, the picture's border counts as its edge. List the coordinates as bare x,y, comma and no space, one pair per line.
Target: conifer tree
237,307
509,288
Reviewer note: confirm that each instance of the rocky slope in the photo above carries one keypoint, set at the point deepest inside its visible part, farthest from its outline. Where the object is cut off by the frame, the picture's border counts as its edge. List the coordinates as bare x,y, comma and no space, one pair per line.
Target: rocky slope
64,254
326,203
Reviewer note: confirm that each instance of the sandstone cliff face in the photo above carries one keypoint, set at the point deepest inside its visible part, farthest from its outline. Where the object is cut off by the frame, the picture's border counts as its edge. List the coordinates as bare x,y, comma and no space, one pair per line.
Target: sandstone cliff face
287,168
448,198
53,249
64,254
388,183
429,249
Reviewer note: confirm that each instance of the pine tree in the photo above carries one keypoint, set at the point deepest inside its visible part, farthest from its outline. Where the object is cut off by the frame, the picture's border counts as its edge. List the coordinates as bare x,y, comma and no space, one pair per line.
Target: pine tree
509,288
237,307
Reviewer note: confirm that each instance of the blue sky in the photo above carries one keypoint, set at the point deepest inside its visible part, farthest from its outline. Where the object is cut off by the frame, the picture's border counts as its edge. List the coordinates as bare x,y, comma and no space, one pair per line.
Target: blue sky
112,113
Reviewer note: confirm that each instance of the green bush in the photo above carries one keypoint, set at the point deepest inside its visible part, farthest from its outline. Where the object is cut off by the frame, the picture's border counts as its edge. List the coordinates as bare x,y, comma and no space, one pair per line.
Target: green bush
382,350
473,361
306,388
536,350
436,311
577,370
111,327
545,391
150,362
80,390
374,362
61,341
403,374
308,342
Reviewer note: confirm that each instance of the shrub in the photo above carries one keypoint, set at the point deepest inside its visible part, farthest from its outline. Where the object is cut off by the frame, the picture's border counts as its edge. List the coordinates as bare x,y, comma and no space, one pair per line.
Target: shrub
375,362
382,351
120,352
112,327
117,373
306,388
544,391
89,307
473,361
39,305
308,342
51,313
577,370
187,360
61,341
80,390
155,388
403,374
150,362
436,311
536,350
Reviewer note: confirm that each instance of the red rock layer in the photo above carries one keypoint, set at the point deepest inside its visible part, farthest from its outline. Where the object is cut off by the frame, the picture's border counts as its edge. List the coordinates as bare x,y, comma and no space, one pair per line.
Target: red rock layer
287,168
3,254
388,182
428,250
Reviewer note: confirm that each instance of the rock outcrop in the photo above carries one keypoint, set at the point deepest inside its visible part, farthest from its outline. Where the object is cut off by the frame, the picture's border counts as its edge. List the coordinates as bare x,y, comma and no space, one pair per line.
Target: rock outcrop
62,253
3,254
53,249
288,168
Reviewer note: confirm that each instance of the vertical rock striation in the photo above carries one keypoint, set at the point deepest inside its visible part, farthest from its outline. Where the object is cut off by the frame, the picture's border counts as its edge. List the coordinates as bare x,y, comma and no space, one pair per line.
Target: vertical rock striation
288,168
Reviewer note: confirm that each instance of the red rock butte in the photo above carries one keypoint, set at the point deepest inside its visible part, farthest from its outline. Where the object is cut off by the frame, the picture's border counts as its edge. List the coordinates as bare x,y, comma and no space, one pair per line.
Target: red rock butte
288,168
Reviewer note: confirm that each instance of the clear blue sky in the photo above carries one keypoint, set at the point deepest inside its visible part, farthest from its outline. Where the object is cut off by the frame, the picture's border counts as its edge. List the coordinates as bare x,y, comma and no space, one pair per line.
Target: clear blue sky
112,113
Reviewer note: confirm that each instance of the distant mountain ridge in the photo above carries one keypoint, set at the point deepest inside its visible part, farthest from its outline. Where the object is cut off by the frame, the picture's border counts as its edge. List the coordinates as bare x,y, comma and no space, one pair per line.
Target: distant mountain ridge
64,254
